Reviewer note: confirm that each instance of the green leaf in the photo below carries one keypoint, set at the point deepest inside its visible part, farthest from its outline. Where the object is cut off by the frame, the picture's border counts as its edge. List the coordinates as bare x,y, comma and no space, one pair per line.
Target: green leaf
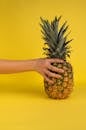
66,43
61,43
62,30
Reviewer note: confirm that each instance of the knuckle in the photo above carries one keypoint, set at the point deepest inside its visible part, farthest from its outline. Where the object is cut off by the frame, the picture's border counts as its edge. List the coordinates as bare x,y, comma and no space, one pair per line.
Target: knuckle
46,63
55,69
60,70
52,67
54,75
48,73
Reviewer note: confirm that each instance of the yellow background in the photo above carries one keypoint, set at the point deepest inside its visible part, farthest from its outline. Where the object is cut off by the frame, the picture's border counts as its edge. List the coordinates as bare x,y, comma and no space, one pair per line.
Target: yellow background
23,103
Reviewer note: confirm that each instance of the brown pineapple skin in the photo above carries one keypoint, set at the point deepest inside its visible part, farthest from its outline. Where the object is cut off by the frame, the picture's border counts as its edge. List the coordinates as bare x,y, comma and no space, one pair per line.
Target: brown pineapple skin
62,88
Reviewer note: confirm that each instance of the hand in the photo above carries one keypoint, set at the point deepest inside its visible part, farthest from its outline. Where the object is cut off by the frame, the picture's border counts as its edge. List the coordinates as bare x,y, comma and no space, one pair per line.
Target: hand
44,67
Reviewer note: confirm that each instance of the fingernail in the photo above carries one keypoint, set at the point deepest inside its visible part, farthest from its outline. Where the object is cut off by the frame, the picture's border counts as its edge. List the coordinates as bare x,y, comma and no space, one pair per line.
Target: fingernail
58,76
62,61
61,77
62,71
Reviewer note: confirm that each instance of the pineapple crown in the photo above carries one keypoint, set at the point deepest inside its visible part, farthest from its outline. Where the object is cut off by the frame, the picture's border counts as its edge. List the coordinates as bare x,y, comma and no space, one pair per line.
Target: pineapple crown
55,39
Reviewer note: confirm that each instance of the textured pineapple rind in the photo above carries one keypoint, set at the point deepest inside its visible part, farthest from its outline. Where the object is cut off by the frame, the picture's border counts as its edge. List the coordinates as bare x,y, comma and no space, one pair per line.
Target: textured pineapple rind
61,88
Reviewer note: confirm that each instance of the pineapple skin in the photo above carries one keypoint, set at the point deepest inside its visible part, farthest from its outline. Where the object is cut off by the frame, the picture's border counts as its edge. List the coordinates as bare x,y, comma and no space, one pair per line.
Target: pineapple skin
57,46
62,88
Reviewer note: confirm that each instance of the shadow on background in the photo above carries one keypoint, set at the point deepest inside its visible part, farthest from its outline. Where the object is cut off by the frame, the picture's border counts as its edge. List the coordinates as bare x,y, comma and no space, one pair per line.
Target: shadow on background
37,91
24,89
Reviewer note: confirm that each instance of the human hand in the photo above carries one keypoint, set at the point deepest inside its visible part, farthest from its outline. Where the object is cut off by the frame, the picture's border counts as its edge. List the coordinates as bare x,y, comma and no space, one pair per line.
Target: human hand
44,67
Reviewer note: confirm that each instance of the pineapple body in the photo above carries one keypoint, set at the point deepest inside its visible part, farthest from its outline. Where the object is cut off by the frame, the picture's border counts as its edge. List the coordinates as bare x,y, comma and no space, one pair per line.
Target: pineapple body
61,88
57,46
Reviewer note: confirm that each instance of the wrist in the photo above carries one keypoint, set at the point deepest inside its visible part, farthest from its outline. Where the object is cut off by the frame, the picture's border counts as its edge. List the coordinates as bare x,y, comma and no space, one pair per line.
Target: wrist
31,65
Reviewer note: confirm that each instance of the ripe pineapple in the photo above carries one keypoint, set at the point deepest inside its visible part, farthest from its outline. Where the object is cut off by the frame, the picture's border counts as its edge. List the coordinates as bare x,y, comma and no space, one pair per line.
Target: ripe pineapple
57,46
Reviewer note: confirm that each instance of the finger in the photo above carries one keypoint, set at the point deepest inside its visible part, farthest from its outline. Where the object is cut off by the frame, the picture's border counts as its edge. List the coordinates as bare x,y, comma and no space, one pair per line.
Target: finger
55,60
55,69
53,75
47,79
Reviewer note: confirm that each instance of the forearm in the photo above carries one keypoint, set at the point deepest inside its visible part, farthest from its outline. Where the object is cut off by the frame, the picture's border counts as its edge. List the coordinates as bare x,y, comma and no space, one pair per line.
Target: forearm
15,66
42,66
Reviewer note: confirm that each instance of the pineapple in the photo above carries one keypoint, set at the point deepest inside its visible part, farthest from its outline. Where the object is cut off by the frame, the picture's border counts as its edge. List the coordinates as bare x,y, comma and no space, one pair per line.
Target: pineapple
57,46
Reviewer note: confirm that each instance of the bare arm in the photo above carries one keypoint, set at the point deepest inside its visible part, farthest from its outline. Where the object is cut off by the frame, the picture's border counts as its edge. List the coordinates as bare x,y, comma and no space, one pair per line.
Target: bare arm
15,66
42,66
